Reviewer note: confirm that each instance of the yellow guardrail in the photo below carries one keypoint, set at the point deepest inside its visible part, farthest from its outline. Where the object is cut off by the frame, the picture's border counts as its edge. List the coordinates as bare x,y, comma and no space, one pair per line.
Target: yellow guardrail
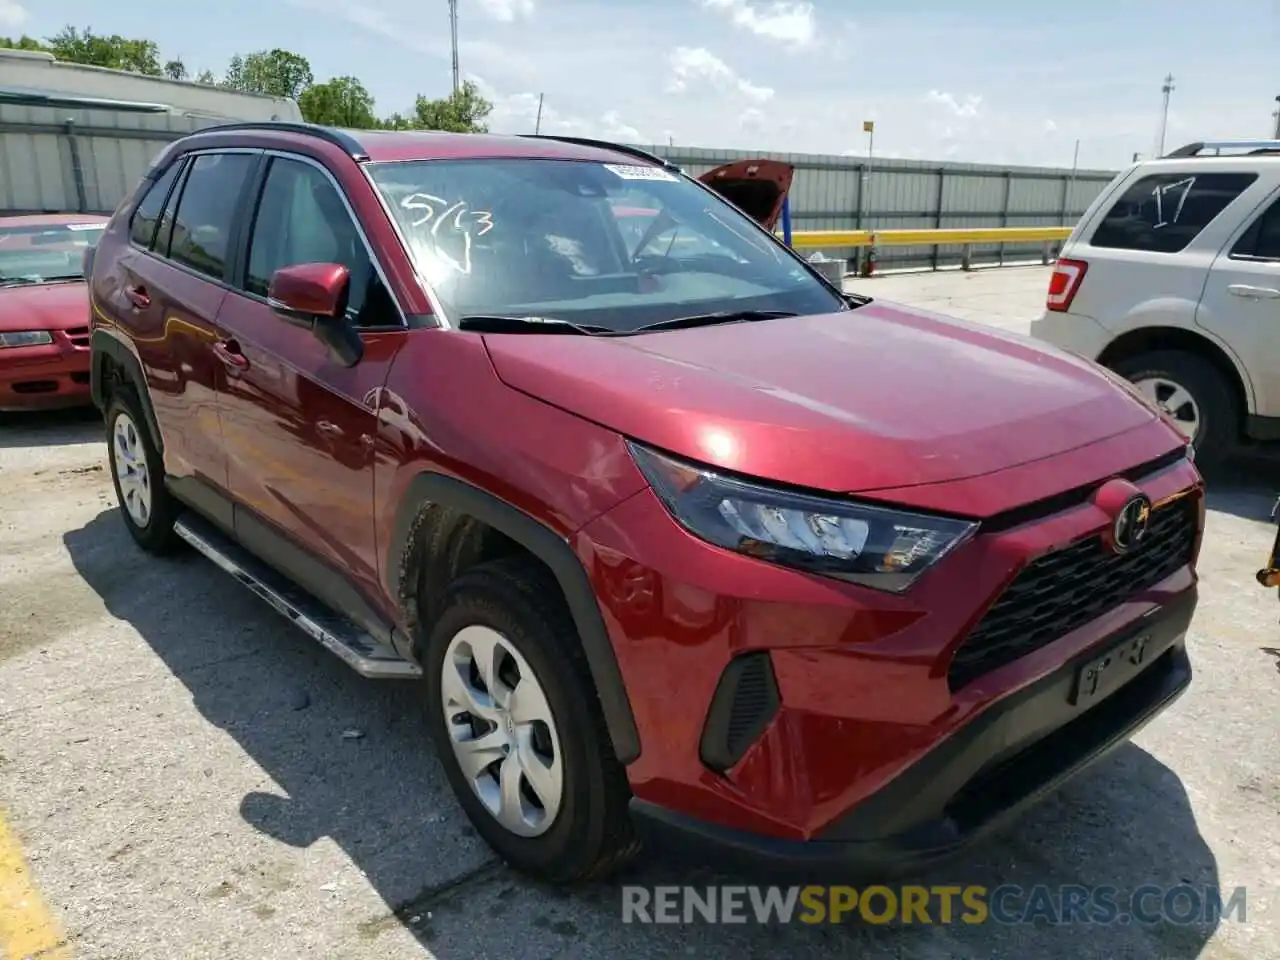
829,239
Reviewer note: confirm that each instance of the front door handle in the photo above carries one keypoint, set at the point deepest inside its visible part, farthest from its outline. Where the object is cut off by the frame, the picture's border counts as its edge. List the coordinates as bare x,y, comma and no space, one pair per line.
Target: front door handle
228,351
1253,293
138,296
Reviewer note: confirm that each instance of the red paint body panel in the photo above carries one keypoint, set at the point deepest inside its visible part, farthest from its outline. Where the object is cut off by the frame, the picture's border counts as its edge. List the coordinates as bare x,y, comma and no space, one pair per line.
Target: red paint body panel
298,432
559,469
845,402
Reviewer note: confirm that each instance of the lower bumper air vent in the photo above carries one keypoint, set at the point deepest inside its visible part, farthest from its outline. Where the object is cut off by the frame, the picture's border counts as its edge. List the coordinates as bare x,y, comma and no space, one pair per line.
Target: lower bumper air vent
746,700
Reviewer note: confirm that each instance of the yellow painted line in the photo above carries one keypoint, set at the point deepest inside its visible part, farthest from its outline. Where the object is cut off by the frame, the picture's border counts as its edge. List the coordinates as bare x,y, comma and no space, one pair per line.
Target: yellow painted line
28,929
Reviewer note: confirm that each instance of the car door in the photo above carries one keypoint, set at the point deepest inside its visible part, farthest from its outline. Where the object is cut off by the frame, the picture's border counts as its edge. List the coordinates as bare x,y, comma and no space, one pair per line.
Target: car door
171,285
1241,302
299,426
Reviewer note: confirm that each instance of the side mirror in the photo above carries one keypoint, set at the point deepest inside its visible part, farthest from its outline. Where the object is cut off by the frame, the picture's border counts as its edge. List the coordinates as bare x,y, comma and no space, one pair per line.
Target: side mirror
313,296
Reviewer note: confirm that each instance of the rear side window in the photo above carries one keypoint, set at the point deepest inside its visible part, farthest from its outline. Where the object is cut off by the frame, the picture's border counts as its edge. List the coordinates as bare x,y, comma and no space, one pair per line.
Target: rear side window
1262,240
143,228
1165,212
202,223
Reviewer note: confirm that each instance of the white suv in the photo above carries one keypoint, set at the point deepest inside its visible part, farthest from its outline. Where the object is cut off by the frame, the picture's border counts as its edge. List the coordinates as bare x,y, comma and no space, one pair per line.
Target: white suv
1172,279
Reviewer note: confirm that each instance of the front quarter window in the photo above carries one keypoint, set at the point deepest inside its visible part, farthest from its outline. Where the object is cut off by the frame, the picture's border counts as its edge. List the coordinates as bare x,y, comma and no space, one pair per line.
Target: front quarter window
606,246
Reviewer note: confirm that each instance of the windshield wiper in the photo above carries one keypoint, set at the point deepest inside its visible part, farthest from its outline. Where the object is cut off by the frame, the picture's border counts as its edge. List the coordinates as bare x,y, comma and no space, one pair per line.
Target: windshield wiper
495,323
19,281
721,316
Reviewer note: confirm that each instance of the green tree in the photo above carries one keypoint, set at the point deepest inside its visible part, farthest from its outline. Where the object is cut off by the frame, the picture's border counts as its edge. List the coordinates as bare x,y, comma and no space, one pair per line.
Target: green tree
207,78
24,43
340,102
463,111
175,70
100,50
274,73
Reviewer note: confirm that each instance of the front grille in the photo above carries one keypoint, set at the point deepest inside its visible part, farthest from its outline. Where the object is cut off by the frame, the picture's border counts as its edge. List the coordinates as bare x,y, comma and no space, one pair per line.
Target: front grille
79,336
1064,590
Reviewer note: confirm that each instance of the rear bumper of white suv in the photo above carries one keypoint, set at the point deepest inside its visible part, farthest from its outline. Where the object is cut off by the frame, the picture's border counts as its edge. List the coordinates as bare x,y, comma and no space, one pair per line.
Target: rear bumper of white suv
1072,332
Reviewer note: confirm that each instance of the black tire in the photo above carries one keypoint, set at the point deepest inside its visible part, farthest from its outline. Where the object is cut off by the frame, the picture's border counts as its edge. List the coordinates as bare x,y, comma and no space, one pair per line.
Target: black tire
1219,430
156,535
592,834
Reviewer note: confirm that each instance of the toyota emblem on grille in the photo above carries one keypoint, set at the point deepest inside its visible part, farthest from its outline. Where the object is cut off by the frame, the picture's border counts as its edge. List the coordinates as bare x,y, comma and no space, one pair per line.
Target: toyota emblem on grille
1128,513
1130,525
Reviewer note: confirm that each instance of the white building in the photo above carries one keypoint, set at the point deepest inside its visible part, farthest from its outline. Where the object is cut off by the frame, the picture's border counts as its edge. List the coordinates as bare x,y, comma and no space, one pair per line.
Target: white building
77,139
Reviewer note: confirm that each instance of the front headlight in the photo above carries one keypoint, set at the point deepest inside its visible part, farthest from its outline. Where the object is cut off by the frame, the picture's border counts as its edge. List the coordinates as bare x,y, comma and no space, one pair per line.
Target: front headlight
870,545
25,338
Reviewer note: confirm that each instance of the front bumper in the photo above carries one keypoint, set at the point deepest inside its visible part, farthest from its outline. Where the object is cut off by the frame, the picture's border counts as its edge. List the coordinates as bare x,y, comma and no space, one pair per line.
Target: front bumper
48,376
987,772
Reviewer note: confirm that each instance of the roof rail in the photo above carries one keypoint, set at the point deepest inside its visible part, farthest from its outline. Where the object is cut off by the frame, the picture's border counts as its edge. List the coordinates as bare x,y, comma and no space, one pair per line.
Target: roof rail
339,138
606,145
1249,146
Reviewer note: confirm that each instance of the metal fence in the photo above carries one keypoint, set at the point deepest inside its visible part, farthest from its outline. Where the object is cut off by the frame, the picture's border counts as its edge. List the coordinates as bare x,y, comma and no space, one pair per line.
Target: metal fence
87,160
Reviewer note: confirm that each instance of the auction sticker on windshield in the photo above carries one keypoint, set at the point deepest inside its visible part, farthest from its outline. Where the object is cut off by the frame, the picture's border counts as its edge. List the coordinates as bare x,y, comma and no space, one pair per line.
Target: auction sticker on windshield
639,173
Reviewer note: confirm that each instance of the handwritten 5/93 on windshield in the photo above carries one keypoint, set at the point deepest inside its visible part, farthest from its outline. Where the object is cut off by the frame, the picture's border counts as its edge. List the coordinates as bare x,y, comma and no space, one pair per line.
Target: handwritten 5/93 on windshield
426,205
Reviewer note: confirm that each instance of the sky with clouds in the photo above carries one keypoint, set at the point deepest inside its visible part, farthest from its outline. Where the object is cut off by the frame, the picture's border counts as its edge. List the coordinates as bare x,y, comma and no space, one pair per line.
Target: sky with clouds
988,80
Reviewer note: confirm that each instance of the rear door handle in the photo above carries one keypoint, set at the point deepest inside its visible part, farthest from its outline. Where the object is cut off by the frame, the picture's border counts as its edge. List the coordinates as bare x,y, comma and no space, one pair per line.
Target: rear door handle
228,351
138,296
1253,293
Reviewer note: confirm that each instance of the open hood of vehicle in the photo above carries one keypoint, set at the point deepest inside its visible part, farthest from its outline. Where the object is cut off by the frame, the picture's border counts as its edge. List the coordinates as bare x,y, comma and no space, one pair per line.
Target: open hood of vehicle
756,187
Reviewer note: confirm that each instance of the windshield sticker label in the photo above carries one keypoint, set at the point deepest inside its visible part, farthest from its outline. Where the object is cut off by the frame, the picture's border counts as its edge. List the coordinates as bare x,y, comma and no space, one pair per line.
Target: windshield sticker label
639,173
84,226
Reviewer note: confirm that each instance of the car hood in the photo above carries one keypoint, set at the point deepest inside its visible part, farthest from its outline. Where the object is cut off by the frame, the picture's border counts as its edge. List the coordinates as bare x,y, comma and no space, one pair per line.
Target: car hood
878,397
757,187
45,306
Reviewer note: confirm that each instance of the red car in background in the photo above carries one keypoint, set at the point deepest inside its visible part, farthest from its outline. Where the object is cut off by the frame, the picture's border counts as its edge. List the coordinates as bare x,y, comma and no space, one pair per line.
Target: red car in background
44,310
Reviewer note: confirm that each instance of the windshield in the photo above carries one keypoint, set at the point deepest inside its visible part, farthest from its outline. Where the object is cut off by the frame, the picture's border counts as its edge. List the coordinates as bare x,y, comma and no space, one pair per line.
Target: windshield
45,252
601,245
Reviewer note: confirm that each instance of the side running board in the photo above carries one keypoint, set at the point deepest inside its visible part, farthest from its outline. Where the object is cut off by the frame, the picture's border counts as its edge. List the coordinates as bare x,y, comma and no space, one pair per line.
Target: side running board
337,634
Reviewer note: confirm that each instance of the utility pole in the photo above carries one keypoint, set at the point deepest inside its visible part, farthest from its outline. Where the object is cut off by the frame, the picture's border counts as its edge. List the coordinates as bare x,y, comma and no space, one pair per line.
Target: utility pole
1164,115
453,30
1277,116
1066,199
537,125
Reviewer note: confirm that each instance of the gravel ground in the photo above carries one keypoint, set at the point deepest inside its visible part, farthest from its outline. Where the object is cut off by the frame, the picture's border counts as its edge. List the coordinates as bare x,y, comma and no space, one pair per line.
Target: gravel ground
188,777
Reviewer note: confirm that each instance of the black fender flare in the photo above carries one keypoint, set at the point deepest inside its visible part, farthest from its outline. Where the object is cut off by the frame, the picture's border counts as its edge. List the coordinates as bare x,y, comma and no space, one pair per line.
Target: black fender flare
431,489
104,345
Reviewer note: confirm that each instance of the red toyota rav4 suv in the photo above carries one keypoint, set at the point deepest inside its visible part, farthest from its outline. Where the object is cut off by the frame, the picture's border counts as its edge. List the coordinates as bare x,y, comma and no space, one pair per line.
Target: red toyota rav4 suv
678,537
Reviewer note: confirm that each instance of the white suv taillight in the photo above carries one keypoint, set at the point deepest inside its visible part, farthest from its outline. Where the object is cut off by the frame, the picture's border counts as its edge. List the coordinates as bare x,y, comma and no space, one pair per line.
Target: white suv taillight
1066,280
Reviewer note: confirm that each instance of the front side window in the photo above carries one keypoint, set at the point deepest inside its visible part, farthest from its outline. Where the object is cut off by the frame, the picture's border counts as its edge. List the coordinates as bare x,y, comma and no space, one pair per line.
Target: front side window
301,219
607,245
46,252
1165,212
206,211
